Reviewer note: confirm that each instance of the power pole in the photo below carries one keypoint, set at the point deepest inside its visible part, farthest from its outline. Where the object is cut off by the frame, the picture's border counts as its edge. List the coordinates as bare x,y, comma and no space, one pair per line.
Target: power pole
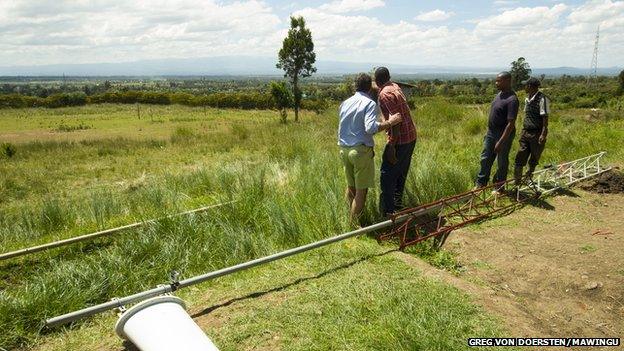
593,71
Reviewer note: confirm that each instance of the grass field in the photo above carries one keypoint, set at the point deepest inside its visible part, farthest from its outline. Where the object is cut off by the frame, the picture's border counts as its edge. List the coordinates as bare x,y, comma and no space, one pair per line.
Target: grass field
80,169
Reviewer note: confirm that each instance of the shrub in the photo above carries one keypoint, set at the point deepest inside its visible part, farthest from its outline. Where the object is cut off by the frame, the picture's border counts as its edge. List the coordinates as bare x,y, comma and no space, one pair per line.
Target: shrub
475,125
20,101
240,131
282,98
54,216
154,98
62,100
8,150
317,105
242,100
585,102
182,135
69,128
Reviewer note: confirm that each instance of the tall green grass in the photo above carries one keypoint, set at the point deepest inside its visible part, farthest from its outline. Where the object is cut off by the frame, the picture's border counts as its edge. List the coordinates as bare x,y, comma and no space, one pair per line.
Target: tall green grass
287,179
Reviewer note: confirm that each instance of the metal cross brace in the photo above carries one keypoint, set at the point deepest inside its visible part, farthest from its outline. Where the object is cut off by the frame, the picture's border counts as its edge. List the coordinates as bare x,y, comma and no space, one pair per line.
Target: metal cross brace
437,219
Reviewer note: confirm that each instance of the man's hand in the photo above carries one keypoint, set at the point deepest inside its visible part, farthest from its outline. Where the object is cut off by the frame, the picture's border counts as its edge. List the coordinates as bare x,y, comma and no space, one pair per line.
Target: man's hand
542,139
498,146
395,119
391,122
506,134
390,154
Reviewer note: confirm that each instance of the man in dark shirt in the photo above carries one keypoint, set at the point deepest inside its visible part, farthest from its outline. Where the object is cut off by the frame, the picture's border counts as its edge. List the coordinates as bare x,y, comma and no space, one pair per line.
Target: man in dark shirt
500,133
534,131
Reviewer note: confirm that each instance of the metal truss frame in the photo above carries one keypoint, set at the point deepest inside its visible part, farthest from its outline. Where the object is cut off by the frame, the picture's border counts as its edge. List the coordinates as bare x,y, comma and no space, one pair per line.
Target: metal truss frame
439,218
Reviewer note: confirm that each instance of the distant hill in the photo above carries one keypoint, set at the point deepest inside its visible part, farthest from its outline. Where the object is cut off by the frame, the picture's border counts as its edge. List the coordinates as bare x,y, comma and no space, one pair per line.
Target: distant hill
251,65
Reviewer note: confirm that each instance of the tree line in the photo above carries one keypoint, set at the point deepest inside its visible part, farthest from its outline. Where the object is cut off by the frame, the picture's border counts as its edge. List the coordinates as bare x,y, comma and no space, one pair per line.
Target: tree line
565,91
239,100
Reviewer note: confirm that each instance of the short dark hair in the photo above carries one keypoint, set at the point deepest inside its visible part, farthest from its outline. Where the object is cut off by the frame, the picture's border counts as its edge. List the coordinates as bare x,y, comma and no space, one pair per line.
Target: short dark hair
382,75
505,74
363,82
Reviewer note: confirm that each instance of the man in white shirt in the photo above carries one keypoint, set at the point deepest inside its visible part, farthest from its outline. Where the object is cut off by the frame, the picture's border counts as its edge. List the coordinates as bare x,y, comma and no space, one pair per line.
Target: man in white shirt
358,123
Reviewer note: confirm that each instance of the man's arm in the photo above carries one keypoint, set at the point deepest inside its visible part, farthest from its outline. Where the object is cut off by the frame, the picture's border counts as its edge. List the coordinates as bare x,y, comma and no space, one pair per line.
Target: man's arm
372,126
544,112
393,122
512,113
396,129
388,101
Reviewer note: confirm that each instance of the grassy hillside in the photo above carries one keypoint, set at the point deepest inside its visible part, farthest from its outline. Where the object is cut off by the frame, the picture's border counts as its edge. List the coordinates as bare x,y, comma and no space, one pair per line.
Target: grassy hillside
355,295
83,168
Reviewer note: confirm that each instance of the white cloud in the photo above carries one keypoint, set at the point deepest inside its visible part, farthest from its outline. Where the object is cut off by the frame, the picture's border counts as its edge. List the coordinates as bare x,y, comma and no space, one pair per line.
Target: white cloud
541,34
433,16
43,32
342,37
597,11
70,31
505,3
344,6
523,17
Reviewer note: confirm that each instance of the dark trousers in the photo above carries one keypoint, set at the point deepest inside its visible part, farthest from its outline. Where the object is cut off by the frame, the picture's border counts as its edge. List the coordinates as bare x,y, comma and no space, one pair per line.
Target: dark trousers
530,150
393,178
488,156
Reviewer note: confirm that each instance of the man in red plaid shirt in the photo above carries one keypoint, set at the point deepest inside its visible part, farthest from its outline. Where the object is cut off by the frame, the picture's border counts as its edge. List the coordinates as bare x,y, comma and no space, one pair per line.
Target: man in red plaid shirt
398,152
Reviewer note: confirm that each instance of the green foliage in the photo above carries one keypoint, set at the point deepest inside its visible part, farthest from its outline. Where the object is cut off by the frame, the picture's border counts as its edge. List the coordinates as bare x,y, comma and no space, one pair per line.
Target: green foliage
288,180
8,150
182,135
62,100
588,248
317,93
282,97
317,105
347,88
242,100
19,101
55,216
240,131
70,128
520,70
438,258
475,126
621,83
297,57
52,101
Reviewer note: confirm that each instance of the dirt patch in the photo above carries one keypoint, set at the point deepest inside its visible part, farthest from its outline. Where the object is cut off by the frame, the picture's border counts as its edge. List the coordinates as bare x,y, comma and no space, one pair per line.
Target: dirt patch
611,182
550,272
515,317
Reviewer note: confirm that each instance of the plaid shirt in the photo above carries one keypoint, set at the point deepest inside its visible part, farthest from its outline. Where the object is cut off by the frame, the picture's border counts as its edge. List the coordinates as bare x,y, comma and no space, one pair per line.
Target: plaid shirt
391,101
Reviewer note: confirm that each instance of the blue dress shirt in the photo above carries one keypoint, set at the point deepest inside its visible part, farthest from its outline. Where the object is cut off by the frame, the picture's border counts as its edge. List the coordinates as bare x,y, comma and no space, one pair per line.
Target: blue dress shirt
358,121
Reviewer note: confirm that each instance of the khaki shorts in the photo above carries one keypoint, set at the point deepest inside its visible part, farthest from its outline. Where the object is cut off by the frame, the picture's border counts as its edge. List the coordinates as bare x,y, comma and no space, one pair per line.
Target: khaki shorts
359,165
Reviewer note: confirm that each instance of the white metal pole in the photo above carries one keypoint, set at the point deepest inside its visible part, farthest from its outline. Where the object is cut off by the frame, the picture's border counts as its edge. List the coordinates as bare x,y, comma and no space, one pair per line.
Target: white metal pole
47,246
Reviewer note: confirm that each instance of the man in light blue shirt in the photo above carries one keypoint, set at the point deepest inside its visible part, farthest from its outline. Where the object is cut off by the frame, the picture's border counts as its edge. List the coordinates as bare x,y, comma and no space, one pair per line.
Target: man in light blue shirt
358,123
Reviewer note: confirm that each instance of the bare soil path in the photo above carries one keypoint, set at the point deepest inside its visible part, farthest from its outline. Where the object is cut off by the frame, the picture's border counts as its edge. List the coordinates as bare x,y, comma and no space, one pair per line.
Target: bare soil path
554,271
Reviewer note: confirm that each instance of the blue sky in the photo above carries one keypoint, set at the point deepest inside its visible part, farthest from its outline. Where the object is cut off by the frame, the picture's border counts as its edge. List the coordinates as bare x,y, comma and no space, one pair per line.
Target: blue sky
444,33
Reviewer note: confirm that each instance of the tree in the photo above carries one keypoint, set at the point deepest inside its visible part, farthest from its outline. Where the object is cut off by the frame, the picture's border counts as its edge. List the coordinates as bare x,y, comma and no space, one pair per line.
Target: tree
621,80
520,70
282,98
297,57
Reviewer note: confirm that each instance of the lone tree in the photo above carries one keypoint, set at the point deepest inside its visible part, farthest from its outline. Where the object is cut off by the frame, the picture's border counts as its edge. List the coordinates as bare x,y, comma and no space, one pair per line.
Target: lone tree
520,70
621,81
297,57
282,98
